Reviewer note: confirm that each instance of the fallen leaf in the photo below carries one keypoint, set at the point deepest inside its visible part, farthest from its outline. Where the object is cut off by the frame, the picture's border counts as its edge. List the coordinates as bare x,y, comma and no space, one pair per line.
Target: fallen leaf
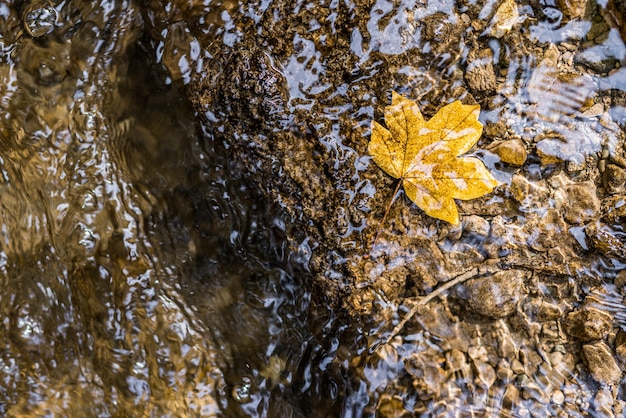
425,155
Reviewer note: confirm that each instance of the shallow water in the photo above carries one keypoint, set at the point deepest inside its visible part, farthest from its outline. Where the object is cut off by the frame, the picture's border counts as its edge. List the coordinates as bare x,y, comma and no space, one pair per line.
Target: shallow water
145,274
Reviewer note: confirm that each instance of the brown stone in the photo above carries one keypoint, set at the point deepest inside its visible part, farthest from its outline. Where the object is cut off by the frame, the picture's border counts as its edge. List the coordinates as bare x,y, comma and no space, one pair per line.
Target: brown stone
506,16
494,296
601,363
603,403
620,280
614,178
587,324
511,152
573,8
582,204
480,75
620,346
511,397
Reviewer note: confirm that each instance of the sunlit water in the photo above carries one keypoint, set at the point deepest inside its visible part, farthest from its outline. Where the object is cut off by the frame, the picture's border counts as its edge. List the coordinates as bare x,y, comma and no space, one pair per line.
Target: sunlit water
143,274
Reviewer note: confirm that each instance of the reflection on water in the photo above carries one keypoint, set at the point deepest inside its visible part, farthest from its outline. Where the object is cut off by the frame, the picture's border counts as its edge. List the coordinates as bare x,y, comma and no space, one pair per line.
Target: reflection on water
150,265
140,276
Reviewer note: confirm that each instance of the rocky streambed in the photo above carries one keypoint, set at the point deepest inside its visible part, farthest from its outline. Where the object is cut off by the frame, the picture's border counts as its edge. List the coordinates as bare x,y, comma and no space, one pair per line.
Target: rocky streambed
264,214
536,327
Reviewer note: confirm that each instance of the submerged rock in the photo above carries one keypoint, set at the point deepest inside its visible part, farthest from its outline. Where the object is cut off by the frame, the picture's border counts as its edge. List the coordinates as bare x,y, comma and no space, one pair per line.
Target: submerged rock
573,9
606,240
512,152
588,324
493,296
581,202
615,178
601,363
480,75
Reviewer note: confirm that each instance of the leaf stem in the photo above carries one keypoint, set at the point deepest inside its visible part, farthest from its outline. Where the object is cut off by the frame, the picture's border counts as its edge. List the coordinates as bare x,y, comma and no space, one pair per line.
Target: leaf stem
382,223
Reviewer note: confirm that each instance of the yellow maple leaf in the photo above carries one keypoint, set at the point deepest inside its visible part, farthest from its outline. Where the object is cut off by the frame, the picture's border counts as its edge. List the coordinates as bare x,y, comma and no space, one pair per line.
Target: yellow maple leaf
425,155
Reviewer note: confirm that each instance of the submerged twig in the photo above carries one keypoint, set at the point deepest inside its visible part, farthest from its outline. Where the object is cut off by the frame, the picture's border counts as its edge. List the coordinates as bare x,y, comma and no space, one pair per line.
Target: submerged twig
437,292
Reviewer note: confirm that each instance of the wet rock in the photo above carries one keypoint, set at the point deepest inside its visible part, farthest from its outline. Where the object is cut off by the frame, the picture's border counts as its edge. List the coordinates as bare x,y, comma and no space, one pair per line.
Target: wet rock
440,33
504,372
557,95
546,233
506,16
427,373
620,346
485,374
573,9
511,397
562,366
613,209
480,75
526,192
614,178
260,95
511,152
601,37
558,397
493,296
550,331
603,403
575,164
598,31
613,13
620,280
476,225
606,240
594,111
507,347
455,232
477,353
544,311
581,202
456,361
39,18
588,324
532,361
601,363
553,150
548,311
241,391
517,367
532,390
391,407
596,62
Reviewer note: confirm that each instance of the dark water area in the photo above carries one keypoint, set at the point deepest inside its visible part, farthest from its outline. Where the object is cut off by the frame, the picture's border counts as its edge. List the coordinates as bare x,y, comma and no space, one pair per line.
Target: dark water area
141,275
